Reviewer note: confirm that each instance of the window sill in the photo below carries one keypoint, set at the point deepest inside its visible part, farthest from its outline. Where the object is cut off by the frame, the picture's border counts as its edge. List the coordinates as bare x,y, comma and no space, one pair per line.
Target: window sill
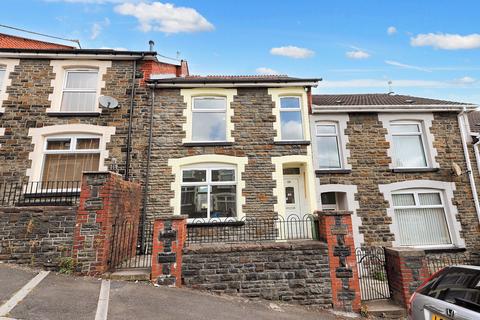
201,224
414,170
74,114
208,144
293,142
445,250
338,171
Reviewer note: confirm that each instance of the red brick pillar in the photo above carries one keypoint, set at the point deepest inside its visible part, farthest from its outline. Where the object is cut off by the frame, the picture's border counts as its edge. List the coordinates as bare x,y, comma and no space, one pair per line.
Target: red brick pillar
169,235
336,230
406,270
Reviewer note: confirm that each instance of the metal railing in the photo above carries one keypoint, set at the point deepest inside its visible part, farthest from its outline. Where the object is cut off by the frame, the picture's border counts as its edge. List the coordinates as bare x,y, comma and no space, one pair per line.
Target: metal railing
126,250
41,193
437,261
372,273
231,230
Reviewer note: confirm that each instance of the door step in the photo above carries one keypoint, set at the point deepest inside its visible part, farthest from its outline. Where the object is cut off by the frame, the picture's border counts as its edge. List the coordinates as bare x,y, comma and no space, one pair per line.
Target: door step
130,275
385,309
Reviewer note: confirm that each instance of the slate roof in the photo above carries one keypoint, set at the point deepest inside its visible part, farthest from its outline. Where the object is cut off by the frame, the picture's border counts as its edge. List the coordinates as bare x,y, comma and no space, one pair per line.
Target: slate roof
15,42
474,121
376,99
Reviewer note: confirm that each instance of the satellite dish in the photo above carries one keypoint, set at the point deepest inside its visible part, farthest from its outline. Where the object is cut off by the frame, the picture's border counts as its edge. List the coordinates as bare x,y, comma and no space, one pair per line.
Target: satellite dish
108,102
456,169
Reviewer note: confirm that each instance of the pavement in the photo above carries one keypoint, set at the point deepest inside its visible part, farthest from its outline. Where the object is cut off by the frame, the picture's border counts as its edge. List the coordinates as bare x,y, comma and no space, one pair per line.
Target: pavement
34,294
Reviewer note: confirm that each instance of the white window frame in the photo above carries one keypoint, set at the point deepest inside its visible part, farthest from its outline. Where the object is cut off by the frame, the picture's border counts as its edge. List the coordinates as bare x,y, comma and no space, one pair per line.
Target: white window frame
199,110
299,110
83,90
209,183
419,133
415,193
426,123
446,190
339,142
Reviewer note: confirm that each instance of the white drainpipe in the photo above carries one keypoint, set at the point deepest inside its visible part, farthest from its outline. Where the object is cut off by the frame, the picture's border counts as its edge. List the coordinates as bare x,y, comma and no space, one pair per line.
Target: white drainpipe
461,123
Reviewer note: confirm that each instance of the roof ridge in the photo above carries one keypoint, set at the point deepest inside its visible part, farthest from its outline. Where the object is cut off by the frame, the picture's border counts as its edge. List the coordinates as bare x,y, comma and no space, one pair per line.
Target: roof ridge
6,35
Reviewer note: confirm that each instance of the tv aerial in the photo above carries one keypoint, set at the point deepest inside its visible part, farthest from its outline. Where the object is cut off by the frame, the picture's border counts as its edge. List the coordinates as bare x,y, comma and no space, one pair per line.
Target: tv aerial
108,102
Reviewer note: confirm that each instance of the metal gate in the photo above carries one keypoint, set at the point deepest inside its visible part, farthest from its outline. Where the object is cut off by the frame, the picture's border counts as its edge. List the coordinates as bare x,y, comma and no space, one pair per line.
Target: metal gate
372,273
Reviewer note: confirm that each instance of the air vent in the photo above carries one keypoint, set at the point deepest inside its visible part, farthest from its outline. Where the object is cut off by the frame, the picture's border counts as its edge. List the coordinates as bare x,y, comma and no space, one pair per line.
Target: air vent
338,101
410,101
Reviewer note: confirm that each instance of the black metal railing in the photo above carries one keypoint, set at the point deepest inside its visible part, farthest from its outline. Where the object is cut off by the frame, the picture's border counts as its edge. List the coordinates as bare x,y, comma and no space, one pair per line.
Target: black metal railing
127,250
39,193
435,262
372,273
231,230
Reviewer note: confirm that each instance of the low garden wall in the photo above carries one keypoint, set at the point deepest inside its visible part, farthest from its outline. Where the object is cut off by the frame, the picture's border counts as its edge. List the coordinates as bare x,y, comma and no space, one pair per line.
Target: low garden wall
39,236
296,272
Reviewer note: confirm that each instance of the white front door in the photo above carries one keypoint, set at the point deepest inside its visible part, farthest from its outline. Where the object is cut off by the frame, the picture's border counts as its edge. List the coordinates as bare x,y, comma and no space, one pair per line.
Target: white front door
293,205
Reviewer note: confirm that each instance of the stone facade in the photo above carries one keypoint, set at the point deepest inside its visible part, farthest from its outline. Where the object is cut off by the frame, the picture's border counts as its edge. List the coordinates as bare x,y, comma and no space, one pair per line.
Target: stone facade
37,236
296,272
370,168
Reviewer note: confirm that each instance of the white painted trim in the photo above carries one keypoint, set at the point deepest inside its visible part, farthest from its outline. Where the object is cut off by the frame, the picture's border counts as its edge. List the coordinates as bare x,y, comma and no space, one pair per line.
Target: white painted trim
178,164
451,212
309,180
9,65
233,84
341,121
353,205
103,298
59,69
426,121
76,56
189,94
40,134
278,93
391,108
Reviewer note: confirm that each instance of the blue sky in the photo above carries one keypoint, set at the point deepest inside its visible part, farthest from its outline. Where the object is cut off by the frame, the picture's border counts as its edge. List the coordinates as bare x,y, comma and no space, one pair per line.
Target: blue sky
426,48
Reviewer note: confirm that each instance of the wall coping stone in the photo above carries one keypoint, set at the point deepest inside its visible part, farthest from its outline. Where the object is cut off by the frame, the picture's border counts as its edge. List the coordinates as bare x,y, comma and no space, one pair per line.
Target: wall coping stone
406,252
171,217
34,208
254,246
334,213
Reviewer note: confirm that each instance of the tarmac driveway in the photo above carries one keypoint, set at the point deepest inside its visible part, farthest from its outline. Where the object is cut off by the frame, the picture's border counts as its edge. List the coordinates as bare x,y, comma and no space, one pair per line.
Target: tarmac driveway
66,297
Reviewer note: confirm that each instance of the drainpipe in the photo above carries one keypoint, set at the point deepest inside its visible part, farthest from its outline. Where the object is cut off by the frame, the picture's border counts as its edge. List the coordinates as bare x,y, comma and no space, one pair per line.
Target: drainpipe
461,123
147,169
130,119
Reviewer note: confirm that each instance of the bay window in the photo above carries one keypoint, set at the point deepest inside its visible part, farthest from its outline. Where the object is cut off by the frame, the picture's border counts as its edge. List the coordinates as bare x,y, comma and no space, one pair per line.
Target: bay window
79,92
209,119
328,145
291,119
66,157
408,145
209,192
421,218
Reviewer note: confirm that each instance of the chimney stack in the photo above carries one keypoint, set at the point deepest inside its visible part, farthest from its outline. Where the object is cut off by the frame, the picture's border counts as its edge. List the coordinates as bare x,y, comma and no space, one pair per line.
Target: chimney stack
151,44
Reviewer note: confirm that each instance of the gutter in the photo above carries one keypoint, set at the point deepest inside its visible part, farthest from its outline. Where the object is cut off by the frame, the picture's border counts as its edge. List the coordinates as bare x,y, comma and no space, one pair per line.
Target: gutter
79,56
234,84
461,123
392,108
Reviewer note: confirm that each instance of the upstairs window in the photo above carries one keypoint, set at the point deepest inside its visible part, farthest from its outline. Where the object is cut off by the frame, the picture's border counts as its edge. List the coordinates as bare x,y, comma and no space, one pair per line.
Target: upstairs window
65,158
420,216
209,193
291,119
408,145
328,145
80,91
209,119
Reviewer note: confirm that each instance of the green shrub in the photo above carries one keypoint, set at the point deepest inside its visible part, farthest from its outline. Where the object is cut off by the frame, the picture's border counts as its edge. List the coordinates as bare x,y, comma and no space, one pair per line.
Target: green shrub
67,265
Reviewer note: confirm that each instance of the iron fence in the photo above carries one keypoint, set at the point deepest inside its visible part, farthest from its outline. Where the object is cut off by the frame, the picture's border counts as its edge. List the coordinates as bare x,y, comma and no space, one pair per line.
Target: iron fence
437,261
231,230
39,193
131,247
372,273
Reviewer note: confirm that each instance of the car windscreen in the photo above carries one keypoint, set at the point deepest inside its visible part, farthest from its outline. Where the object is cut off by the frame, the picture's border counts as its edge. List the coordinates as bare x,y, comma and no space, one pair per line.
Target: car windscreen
460,286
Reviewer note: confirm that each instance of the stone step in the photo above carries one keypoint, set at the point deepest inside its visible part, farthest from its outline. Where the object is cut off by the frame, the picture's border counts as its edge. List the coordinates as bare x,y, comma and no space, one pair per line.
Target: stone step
131,275
384,309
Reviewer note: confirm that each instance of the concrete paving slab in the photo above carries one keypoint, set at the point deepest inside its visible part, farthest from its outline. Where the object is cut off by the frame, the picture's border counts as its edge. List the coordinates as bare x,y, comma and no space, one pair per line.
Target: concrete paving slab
142,301
60,297
12,279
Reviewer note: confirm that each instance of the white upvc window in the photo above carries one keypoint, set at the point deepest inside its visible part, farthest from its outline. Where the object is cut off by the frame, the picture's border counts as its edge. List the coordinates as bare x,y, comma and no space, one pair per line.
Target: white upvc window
408,144
209,119
209,191
328,145
421,218
291,124
79,93
67,156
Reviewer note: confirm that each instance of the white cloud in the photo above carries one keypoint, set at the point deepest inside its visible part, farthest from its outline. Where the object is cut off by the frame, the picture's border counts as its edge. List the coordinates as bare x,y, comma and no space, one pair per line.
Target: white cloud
391,30
406,66
116,48
357,54
292,52
465,80
266,71
446,41
93,1
97,28
383,83
165,17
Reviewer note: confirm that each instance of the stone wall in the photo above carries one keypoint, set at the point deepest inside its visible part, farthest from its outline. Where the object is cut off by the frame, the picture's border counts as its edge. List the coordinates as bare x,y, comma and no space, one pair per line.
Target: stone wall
294,272
37,236
370,167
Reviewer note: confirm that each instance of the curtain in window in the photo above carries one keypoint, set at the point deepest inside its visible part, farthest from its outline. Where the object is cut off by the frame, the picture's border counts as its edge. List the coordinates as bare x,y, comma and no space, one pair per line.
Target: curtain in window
328,155
79,93
69,167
